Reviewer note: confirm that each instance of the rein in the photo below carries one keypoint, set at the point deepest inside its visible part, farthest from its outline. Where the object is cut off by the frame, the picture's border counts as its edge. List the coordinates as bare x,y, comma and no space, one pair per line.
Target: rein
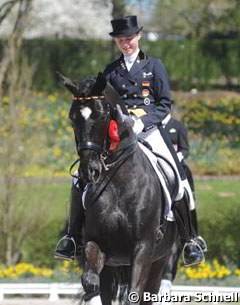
109,161
111,171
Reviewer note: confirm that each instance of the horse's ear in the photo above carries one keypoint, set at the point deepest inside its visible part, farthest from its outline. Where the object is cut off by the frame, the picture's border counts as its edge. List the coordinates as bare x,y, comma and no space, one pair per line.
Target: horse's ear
71,85
114,98
100,84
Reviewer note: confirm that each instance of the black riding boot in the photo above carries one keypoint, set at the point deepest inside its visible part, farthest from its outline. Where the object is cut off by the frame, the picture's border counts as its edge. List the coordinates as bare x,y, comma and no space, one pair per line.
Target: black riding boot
198,239
69,245
192,252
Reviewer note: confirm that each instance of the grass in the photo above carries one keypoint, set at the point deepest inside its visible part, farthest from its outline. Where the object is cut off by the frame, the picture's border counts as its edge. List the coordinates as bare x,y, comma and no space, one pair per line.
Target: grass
211,195
214,197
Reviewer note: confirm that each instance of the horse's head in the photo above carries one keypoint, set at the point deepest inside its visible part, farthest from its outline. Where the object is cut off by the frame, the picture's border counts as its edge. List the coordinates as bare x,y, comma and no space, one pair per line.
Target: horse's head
94,118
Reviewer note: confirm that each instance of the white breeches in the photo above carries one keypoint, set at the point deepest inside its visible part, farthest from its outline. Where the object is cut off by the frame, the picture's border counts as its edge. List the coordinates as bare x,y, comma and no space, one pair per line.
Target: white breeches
155,139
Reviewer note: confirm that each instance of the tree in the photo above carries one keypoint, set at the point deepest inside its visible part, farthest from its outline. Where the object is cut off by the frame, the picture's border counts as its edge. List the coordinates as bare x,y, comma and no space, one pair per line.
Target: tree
15,150
66,18
189,17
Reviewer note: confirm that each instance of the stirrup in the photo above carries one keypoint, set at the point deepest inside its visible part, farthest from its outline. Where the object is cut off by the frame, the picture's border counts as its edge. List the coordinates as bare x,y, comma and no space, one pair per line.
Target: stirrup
202,243
185,263
66,237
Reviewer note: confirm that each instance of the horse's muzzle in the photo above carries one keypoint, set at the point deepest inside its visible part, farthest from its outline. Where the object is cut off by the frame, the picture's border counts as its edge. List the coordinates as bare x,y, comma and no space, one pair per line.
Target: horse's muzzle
91,170
90,166
94,172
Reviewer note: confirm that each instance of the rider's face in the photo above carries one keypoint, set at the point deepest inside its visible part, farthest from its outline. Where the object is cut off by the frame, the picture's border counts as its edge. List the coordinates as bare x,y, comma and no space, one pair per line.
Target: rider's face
127,44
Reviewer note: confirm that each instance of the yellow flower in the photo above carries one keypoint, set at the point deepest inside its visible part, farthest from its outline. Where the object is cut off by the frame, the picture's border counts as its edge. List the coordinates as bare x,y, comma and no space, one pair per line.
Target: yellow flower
237,272
52,98
6,100
57,151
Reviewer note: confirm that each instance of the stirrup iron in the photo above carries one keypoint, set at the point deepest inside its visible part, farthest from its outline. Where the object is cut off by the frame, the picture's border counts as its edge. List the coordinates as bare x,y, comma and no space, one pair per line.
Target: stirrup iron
66,237
203,244
186,264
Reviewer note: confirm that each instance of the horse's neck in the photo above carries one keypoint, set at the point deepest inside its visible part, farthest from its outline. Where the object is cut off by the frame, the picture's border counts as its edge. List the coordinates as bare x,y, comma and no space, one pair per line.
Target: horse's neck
128,137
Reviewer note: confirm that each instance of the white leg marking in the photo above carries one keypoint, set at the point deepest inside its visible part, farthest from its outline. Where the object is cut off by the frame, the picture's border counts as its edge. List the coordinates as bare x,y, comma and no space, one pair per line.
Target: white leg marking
95,301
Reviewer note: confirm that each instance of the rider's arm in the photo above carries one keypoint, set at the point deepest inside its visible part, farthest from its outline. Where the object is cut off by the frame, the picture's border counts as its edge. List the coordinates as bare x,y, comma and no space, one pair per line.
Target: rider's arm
183,144
161,95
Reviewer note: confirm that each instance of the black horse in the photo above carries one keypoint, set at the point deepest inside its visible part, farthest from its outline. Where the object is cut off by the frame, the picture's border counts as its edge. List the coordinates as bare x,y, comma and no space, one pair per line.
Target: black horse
126,240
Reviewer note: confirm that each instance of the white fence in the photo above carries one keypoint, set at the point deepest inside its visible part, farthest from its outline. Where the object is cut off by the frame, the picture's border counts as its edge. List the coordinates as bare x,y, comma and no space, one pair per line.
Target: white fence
54,291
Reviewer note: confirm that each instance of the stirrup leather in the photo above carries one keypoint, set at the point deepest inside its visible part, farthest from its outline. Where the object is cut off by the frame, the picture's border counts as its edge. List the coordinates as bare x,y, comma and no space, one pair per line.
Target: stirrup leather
187,264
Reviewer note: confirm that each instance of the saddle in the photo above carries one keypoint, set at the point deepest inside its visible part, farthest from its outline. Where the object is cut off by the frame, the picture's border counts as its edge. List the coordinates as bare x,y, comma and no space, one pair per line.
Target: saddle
169,176
165,169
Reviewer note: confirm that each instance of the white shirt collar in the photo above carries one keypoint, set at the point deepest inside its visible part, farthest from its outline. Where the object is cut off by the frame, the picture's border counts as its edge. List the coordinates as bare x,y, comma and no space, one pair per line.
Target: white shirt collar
129,60
166,120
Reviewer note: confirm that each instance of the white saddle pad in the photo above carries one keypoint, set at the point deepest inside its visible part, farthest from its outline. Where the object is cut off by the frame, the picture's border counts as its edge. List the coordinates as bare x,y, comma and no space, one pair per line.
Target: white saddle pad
153,160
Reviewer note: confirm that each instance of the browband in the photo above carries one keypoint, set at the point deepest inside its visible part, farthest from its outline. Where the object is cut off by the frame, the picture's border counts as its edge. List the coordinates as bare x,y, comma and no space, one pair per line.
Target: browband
81,98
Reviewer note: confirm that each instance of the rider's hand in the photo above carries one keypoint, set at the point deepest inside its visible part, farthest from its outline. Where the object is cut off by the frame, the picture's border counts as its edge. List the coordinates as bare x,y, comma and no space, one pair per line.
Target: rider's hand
180,156
138,125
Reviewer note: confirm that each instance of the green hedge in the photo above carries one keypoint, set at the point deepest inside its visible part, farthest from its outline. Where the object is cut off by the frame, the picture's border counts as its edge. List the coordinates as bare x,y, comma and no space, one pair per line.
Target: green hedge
189,63
76,58
218,120
213,124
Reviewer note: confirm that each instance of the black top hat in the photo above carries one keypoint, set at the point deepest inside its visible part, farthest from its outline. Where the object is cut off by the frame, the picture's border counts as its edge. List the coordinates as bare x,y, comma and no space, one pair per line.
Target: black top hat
125,26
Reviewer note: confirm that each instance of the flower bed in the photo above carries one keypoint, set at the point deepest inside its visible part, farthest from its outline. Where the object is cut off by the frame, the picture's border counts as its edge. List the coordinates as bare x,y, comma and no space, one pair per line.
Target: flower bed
209,273
205,273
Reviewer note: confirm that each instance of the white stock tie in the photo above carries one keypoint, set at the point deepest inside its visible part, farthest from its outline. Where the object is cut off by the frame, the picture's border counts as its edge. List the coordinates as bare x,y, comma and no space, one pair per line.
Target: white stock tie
129,62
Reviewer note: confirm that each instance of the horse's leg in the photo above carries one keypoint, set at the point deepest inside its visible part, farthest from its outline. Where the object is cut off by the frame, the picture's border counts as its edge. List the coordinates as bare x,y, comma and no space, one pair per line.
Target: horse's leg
140,268
94,262
176,259
154,279
106,280
170,269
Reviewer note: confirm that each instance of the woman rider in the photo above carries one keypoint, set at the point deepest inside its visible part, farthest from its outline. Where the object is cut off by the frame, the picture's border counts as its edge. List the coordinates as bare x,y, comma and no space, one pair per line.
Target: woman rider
142,83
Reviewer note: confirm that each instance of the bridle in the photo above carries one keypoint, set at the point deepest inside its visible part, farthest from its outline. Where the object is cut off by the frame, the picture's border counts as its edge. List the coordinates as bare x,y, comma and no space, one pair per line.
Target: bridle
111,161
94,97
102,150
107,158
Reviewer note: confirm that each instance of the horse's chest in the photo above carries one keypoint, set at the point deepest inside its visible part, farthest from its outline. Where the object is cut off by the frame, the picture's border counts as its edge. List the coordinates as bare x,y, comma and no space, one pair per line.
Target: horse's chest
108,222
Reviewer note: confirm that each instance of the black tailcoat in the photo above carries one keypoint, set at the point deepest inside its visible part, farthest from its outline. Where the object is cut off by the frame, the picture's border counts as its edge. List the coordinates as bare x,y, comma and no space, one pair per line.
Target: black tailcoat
144,86
178,135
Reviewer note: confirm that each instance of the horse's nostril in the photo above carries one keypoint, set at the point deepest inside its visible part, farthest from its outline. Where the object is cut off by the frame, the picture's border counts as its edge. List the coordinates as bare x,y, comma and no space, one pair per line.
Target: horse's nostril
94,174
